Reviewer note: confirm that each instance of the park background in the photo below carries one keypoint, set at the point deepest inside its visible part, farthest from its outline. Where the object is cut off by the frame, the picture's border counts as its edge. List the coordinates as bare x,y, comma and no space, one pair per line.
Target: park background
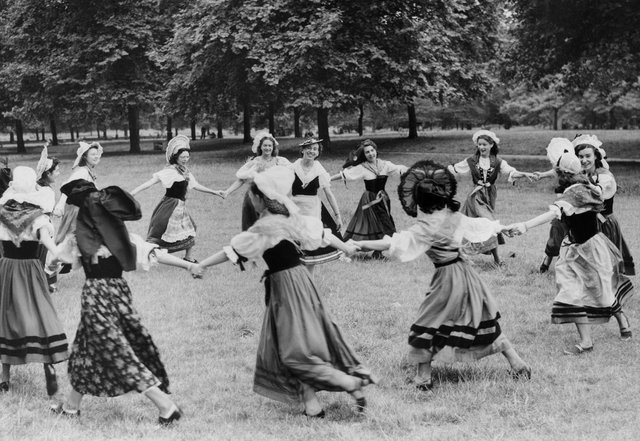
416,76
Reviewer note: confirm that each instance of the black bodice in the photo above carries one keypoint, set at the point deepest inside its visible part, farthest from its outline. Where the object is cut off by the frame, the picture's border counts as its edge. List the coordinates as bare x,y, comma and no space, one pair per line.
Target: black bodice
283,256
28,249
311,189
178,190
106,268
583,226
608,207
375,185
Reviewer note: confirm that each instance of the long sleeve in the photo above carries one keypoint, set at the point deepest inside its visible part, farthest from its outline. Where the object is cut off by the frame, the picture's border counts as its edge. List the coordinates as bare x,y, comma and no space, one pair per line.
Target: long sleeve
607,182
477,229
459,168
409,244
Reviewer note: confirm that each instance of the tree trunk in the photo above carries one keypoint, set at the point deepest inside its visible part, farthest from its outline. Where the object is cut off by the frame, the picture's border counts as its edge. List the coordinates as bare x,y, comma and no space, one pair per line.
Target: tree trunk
555,117
360,118
43,134
54,130
613,122
38,135
20,137
323,127
246,122
413,125
296,122
219,124
272,121
78,133
12,138
176,132
134,128
116,135
104,132
193,129
169,129
71,133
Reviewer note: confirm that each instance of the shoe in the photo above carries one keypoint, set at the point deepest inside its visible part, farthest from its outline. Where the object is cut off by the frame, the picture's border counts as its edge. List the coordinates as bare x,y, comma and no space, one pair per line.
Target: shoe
625,332
524,373
361,404
175,416
425,385
320,414
544,268
4,386
190,260
59,409
578,350
50,377
378,255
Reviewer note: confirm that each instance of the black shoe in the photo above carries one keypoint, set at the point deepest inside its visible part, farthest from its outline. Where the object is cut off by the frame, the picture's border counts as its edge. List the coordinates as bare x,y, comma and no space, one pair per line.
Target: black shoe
361,404
50,377
175,416
523,373
59,409
4,386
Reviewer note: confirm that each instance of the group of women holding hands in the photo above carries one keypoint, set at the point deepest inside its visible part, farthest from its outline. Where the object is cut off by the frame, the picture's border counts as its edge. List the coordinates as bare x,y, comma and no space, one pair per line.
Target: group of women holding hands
285,222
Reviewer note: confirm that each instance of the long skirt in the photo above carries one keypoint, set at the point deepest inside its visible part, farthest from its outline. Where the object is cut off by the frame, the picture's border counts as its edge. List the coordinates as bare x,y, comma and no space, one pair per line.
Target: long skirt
372,219
171,226
481,202
249,214
590,286
328,253
67,223
113,352
458,319
611,228
557,232
30,331
299,343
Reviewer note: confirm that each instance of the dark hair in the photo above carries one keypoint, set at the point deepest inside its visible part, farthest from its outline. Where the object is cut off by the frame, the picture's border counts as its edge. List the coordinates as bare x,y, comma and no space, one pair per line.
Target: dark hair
361,157
83,159
174,157
274,152
46,180
596,153
272,205
494,146
428,202
567,179
303,147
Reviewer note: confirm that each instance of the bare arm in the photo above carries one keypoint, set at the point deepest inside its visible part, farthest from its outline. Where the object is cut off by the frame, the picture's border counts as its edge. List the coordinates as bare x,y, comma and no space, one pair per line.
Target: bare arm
214,259
233,187
348,248
146,185
337,176
334,205
204,189
374,245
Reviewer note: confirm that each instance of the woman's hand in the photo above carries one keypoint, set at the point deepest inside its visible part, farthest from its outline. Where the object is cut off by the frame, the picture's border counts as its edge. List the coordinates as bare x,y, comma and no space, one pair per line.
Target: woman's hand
196,271
58,211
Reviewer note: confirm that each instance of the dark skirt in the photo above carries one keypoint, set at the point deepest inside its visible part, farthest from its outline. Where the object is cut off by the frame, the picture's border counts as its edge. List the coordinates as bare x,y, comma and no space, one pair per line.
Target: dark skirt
30,331
481,202
160,220
611,228
113,352
249,214
372,219
299,342
458,319
557,232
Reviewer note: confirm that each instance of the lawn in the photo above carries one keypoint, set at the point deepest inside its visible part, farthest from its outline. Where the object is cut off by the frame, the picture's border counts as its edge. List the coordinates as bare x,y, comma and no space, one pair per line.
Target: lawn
207,330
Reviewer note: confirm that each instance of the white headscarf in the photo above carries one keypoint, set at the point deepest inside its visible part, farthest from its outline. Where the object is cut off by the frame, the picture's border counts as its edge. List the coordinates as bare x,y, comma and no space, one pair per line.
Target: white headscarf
84,148
593,141
488,133
44,163
562,156
23,189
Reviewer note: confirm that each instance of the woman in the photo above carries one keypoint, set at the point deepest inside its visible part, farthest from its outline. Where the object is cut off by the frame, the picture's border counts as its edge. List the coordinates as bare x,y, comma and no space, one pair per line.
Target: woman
309,178
301,350
112,353
87,159
171,226
485,167
372,219
265,149
591,288
458,319
592,158
47,170
30,331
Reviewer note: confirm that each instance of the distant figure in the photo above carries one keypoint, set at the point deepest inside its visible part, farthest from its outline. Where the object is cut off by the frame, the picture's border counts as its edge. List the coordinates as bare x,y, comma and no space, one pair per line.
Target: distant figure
5,174
203,132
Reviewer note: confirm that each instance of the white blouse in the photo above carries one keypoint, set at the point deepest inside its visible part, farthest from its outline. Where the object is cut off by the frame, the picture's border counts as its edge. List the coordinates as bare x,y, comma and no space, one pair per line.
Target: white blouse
384,168
80,173
30,233
252,245
257,165
607,182
308,175
169,175
412,243
462,167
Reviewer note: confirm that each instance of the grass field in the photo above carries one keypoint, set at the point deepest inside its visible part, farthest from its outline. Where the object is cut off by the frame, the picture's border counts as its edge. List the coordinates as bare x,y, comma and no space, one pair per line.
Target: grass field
207,330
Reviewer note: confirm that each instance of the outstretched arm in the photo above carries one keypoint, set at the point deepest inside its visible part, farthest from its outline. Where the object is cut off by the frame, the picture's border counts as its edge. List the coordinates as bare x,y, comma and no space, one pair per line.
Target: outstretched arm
334,206
337,176
374,245
233,187
543,175
146,185
348,248
523,227
204,189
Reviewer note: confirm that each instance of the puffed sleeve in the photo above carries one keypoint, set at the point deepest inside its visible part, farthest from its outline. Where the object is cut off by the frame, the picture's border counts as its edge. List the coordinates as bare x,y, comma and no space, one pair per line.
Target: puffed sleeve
80,173
281,160
478,229
323,176
49,199
249,245
506,169
607,182
395,168
40,222
247,171
146,253
167,176
353,173
459,168
409,244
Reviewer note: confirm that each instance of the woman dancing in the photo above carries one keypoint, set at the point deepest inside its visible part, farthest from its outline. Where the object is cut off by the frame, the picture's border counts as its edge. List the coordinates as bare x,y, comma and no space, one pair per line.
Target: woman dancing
301,350
591,288
458,319
310,178
372,218
30,331
265,149
112,353
171,226
485,167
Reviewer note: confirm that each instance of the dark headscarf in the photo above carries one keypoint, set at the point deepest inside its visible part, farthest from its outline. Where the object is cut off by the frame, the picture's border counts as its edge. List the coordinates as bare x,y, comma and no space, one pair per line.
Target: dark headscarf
101,220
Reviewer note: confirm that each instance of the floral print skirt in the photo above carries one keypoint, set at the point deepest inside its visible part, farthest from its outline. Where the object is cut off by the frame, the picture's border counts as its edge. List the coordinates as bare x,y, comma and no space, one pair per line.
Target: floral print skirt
113,352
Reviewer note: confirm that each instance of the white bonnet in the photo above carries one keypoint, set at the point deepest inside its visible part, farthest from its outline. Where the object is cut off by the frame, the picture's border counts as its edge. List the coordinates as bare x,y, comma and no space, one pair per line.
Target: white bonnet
258,139
178,142
488,133
84,148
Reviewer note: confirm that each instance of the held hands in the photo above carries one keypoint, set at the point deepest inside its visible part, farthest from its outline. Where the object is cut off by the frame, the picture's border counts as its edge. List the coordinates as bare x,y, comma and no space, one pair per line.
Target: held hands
196,271
221,193
351,247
